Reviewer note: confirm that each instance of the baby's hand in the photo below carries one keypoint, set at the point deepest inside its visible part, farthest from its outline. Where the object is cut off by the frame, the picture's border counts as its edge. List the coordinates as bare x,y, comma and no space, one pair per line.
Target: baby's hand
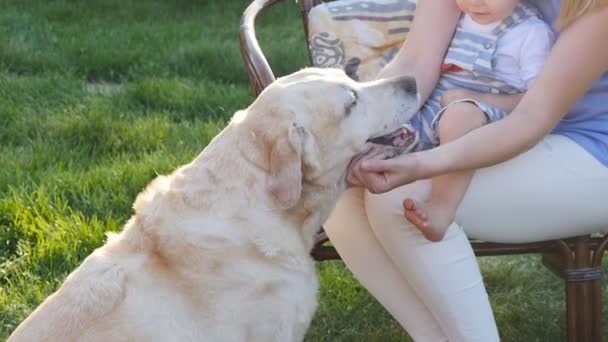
452,95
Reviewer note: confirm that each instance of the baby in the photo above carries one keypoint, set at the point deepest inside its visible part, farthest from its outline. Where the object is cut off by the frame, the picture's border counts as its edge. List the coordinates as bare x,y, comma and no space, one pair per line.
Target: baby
498,49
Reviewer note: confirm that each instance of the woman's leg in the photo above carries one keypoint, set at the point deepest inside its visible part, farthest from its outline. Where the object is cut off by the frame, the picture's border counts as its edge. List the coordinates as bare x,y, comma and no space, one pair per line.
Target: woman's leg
445,274
349,231
555,190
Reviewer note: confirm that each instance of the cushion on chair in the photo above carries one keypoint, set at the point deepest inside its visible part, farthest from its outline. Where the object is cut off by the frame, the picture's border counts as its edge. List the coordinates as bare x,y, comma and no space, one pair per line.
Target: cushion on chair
357,35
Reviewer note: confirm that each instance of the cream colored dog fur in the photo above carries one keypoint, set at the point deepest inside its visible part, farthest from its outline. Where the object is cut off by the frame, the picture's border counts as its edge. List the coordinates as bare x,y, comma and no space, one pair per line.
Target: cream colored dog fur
219,250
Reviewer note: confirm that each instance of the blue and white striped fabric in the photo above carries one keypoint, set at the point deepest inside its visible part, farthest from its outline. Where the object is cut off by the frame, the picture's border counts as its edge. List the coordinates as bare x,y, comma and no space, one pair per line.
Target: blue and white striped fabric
473,53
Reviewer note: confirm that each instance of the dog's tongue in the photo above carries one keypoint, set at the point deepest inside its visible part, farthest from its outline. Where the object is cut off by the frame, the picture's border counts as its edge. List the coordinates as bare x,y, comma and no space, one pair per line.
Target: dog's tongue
402,137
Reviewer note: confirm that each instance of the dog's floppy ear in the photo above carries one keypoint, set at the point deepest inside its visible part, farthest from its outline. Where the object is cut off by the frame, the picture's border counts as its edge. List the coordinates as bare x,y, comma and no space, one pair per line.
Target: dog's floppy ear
285,177
310,155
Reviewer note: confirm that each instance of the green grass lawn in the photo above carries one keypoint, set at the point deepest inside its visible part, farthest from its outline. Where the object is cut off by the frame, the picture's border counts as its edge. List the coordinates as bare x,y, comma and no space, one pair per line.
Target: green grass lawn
98,97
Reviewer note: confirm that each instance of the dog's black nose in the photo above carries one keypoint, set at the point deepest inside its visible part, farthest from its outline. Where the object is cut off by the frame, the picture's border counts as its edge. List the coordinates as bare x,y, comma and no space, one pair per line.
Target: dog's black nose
408,84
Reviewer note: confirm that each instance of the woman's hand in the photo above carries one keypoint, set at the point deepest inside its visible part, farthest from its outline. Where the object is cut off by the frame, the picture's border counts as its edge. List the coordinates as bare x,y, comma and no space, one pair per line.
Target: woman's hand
354,178
372,171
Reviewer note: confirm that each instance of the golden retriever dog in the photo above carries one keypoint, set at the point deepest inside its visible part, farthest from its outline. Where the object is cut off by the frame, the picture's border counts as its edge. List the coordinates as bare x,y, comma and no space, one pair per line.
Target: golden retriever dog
219,249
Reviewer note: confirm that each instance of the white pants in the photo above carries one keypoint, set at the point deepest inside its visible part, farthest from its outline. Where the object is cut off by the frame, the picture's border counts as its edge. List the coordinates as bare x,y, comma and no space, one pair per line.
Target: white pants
435,289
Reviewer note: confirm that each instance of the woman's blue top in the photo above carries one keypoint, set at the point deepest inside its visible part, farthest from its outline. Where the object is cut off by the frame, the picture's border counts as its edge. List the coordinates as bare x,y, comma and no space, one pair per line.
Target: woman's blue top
587,121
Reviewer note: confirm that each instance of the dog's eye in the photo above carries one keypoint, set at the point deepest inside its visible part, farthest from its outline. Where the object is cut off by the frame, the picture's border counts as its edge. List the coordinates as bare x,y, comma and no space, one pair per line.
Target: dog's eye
352,102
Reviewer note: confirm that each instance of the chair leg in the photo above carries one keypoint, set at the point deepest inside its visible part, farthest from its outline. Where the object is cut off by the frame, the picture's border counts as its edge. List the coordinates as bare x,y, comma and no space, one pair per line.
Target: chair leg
596,300
597,290
580,266
559,261
580,278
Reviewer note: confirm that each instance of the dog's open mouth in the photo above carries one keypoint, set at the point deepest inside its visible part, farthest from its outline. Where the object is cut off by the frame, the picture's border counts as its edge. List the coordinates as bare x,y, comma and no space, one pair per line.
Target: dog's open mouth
405,137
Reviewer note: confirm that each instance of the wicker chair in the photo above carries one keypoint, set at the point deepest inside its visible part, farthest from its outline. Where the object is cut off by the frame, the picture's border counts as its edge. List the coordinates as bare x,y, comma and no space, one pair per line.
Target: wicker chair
577,260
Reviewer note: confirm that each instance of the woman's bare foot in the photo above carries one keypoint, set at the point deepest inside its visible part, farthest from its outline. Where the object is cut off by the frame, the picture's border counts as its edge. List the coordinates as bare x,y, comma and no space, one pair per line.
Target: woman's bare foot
430,218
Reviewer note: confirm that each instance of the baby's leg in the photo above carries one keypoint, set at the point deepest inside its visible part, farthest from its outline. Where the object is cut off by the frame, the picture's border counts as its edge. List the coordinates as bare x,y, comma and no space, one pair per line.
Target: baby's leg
434,216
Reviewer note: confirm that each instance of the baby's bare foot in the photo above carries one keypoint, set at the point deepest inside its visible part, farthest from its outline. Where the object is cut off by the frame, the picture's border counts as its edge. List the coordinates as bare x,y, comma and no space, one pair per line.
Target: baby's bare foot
430,218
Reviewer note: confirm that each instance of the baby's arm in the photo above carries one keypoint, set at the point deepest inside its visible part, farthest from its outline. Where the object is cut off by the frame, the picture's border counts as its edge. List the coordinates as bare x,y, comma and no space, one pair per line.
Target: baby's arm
506,102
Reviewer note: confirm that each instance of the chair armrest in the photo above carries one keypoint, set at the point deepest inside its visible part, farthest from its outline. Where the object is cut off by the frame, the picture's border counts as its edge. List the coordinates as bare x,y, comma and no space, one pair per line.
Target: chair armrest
258,70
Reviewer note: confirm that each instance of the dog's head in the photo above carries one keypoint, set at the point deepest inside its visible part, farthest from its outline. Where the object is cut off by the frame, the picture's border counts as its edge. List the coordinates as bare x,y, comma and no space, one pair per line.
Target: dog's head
314,121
